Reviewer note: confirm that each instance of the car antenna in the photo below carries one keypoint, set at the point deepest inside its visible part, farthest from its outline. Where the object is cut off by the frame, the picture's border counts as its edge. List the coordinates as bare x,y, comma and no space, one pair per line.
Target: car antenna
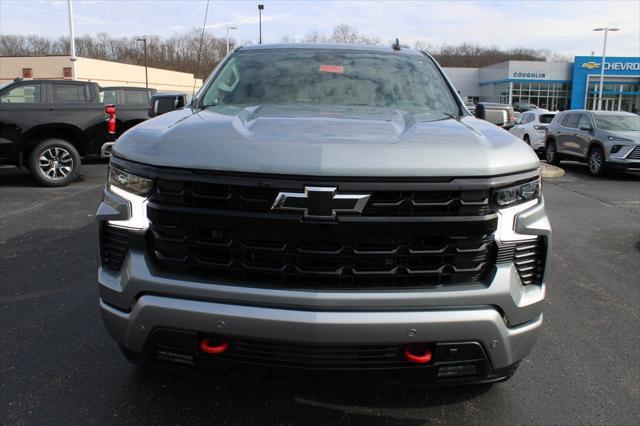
396,45
195,73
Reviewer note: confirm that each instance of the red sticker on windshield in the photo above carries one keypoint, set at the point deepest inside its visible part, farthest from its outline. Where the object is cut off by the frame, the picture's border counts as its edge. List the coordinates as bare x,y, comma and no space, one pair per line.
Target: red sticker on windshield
338,69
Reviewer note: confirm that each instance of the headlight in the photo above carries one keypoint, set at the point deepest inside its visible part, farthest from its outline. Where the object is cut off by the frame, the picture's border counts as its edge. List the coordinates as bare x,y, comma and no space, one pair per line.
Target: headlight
513,195
617,139
136,190
129,182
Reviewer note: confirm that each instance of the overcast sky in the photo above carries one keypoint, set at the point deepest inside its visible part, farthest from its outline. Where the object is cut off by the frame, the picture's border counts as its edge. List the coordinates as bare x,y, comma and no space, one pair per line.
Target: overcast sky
562,26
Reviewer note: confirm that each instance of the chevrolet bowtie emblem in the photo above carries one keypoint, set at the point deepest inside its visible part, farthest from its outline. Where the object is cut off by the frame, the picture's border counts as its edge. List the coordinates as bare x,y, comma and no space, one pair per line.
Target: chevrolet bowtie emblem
590,65
320,202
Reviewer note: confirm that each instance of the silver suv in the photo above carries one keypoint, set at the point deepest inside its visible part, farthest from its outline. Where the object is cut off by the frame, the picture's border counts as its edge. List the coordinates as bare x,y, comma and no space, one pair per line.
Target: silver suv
327,212
603,139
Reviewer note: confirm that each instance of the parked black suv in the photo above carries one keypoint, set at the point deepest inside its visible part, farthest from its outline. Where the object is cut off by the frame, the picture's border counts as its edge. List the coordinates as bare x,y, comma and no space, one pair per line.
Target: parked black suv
46,125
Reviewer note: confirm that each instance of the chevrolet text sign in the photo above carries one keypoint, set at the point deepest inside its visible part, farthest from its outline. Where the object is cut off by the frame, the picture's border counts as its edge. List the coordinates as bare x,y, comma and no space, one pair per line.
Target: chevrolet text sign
622,66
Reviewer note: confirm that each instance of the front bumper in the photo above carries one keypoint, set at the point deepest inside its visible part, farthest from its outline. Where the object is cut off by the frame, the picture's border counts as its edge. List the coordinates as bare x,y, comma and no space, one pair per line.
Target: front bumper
505,346
504,316
623,164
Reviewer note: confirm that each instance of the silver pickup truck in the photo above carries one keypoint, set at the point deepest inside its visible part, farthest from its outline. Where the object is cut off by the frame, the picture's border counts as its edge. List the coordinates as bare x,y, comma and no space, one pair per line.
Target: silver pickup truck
324,212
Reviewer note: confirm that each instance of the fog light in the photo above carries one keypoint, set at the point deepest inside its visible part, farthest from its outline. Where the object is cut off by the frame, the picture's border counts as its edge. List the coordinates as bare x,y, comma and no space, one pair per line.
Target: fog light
616,148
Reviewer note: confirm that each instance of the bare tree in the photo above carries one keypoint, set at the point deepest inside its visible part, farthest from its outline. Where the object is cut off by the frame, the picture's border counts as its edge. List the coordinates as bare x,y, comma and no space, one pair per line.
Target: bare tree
180,51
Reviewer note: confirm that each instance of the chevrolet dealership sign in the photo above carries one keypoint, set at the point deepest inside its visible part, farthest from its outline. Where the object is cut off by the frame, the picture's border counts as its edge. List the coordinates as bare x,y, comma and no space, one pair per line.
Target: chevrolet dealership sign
615,66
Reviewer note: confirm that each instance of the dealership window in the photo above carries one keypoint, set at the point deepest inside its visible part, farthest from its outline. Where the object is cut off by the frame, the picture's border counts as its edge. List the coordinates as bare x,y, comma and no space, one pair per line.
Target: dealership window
23,94
67,93
27,72
617,95
551,96
66,72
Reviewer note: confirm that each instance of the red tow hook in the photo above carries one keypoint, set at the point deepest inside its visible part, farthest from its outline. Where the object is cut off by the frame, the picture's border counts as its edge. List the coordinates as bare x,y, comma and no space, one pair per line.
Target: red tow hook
420,356
210,347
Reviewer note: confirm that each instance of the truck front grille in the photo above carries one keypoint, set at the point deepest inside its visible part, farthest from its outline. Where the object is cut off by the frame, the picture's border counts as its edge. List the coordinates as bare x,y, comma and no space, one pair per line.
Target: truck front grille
382,203
221,228
294,259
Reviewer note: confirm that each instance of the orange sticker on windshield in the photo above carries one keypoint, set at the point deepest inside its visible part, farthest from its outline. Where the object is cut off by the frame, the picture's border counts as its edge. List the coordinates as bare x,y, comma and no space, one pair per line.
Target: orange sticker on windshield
338,69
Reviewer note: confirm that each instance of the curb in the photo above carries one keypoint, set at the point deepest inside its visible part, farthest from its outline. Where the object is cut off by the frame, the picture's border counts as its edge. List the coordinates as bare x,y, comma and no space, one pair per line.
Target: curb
549,170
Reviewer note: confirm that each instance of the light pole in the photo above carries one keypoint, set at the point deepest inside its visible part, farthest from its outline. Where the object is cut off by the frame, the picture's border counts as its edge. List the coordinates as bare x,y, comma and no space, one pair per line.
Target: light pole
146,75
604,57
72,40
229,28
260,9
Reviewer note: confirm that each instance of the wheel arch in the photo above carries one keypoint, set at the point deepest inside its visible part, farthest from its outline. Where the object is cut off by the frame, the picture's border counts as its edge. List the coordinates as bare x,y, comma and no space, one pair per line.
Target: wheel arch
596,143
67,132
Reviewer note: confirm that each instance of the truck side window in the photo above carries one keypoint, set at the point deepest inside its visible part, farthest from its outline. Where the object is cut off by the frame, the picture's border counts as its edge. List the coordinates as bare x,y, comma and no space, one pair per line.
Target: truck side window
23,94
69,93
136,97
108,96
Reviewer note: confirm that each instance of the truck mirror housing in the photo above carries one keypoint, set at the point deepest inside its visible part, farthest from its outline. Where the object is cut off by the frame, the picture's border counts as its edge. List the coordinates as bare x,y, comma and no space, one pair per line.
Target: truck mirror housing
163,103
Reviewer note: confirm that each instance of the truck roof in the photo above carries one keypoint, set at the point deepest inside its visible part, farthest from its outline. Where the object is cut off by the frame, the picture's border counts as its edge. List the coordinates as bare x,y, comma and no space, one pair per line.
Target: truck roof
332,46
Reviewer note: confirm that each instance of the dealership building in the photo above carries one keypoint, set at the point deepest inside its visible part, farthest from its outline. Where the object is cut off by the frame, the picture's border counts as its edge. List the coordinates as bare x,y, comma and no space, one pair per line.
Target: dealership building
554,85
105,73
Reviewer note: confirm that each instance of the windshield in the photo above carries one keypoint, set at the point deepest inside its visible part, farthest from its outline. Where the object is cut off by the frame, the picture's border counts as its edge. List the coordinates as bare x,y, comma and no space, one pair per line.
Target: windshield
618,122
546,118
332,78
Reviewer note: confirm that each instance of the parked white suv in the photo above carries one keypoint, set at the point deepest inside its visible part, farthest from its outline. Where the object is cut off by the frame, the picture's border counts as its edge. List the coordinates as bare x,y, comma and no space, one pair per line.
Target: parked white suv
531,127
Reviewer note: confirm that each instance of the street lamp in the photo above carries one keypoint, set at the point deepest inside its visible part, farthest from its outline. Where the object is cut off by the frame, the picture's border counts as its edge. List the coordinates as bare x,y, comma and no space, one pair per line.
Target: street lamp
260,9
146,75
604,54
72,40
229,28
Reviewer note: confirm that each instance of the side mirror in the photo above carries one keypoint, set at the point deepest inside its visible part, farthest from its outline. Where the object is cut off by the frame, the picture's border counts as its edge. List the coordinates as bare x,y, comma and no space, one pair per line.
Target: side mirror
161,104
586,128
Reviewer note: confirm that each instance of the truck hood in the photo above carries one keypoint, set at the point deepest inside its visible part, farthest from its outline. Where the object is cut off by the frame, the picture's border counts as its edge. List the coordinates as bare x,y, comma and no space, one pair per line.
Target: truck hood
309,141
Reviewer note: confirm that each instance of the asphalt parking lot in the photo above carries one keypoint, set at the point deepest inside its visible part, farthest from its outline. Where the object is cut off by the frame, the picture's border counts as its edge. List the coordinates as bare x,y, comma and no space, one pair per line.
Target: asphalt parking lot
58,366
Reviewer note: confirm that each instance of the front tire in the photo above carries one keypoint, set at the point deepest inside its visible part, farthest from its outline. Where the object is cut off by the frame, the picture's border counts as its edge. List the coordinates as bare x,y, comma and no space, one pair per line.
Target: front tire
595,159
54,162
551,153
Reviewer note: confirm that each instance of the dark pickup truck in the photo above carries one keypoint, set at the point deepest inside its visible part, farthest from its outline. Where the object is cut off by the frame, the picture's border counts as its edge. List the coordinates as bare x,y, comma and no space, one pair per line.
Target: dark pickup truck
47,125
132,106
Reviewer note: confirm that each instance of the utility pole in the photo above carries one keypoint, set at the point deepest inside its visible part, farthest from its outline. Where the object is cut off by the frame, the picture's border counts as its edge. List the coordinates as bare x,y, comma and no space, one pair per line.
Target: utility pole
604,57
146,74
260,9
72,41
229,28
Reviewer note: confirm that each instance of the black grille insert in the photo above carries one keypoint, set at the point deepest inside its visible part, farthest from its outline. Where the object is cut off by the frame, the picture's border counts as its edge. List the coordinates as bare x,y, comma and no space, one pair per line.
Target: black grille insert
114,246
381,203
528,256
319,260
